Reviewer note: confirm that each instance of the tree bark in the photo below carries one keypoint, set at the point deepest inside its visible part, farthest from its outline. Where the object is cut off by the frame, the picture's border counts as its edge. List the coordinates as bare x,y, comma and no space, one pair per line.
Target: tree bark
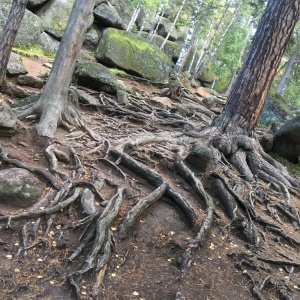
53,101
245,102
9,34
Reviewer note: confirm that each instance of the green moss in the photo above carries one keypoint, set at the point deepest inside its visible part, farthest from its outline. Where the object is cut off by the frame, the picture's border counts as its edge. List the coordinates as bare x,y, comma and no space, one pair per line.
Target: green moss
33,51
280,101
118,71
222,85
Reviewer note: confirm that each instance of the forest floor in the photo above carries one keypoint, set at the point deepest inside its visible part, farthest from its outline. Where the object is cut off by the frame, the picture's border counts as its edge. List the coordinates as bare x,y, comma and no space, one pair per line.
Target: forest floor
145,264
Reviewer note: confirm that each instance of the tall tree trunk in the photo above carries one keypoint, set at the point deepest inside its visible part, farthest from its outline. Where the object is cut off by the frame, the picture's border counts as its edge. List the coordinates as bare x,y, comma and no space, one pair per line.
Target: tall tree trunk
214,51
188,40
153,25
173,24
53,101
144,21
235,72
207,48
9,34
245,103
134,17
288,70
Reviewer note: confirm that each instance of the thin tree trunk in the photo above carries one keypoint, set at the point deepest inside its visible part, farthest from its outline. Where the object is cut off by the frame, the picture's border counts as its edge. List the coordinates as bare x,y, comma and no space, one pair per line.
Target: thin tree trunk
134,17
173,24
214,51
194,56
157,25
288,70
144,21
233,77
202,52
245,103
190,34
53,101
153,25
9,34
207,49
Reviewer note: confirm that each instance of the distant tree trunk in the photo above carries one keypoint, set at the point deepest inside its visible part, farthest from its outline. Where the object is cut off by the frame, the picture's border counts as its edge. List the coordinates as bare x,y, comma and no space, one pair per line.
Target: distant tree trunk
288,70
245,103
207,48
9,34
134,17
153,25
173,24
157,25
214,51
186,47
144,21
234,73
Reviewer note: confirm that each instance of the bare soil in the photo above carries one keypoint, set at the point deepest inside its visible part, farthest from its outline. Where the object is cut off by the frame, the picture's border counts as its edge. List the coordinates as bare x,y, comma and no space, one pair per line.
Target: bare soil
145,264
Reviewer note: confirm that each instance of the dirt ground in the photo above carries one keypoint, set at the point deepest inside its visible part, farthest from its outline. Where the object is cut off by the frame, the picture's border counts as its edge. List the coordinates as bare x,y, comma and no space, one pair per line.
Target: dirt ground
145,265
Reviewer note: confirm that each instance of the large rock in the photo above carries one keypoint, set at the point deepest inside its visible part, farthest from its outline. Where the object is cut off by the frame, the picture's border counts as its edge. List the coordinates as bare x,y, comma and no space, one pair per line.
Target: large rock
19,188
106,14
97,77
55,15
15,65
34,3
287,140
31,26
200,159
133,54
92,39
275,110
48,43
9,124
165,27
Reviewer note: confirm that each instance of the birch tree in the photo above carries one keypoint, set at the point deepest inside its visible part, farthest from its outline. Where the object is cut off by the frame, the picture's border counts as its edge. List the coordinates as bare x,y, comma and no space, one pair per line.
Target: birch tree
289,68
185,49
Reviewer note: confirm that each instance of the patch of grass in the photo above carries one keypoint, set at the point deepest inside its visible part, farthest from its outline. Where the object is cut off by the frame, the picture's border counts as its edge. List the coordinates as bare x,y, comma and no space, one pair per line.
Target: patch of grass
33,51
292,168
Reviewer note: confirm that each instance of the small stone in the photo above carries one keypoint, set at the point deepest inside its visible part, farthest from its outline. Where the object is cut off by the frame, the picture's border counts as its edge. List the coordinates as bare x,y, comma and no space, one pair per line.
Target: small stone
135,293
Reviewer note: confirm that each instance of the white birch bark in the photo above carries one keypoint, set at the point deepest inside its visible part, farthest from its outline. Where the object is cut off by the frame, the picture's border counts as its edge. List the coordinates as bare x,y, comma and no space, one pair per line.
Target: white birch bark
190,34
134,17
157,15
144,21
173,24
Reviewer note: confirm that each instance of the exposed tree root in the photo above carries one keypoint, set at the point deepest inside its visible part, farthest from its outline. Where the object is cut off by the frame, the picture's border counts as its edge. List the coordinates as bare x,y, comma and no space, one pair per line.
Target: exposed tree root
95,206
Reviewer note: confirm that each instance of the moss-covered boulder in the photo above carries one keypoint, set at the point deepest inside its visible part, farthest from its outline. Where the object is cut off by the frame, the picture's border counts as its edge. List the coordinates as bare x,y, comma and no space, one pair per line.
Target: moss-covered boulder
133,54
97,77
31,26
275,110
164,27
55,15
207,77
